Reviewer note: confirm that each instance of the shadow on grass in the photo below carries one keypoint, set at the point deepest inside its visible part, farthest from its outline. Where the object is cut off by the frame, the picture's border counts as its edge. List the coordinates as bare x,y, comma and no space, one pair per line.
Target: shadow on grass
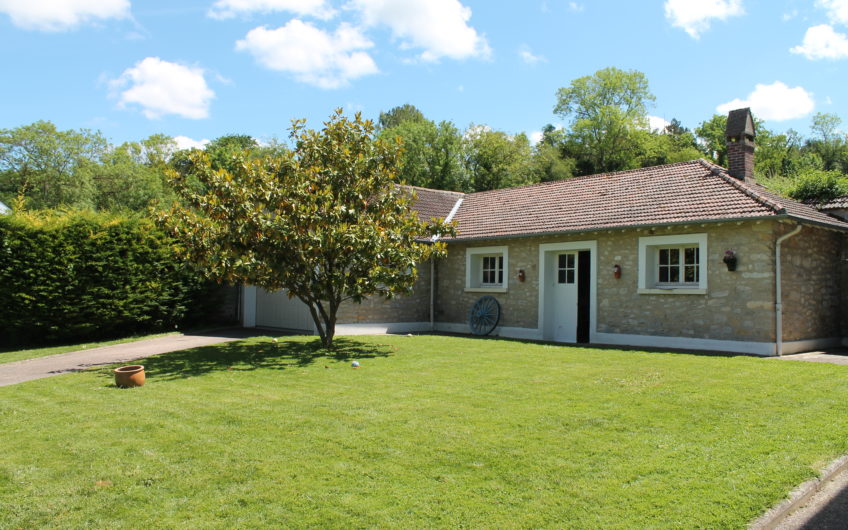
246,356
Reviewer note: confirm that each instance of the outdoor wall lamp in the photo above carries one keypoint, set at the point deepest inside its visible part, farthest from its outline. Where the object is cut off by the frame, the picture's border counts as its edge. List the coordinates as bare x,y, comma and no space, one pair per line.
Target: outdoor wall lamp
616,271
521,275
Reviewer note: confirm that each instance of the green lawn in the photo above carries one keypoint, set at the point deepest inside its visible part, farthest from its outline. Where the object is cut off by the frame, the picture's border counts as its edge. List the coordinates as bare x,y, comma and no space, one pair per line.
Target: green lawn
430,432
9,356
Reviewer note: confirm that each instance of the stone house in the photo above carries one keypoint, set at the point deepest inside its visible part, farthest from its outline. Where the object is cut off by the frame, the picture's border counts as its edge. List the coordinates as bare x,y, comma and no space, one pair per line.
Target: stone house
687,255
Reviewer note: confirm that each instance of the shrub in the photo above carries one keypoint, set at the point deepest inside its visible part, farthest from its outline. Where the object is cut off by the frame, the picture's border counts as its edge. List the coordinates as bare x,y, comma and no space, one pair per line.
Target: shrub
819,186
80,275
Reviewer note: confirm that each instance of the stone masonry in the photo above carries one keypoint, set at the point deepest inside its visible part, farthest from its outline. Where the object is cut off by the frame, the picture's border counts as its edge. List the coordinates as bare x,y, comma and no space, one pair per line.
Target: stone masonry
739,305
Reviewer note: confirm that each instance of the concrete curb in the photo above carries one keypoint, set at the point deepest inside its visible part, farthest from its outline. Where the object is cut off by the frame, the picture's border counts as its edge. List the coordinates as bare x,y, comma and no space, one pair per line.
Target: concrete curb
799,496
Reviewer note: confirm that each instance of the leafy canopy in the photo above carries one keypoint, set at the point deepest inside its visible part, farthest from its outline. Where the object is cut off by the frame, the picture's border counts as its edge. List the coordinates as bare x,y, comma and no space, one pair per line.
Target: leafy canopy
607,110
326,220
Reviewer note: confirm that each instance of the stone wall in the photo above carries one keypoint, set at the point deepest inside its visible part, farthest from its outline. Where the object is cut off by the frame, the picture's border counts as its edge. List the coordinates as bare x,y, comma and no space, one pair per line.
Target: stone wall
738,305
812,278
374,310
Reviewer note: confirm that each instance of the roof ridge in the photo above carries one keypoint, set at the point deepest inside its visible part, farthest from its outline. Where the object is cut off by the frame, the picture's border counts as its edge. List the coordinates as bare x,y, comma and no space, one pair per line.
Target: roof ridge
722,173
433,189
583,177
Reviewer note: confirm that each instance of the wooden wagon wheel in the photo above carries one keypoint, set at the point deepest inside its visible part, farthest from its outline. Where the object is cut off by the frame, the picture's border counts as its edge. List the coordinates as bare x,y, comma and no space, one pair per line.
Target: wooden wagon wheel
484,315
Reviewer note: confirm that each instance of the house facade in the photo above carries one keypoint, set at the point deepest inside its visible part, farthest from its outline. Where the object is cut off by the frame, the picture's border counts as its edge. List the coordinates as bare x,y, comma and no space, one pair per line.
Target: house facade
687,255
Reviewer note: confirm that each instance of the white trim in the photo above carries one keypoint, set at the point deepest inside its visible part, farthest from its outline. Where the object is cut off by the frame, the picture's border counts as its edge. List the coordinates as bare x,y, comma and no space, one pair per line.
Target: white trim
592,247
382,328
678,290
455,209
449,218
248,304
485,289
645,268
470,268
500,331
687,343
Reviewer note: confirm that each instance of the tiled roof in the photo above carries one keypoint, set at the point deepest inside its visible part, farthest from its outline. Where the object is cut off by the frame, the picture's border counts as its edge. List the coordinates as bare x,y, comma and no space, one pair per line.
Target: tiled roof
434,203
836,204
675,193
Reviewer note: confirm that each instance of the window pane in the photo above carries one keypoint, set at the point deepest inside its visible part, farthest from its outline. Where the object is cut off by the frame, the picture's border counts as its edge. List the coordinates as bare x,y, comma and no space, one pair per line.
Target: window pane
500,262
561,260
500,276
690,274
561,276
674,274
569,276
569,261
663,256
664,274
691,256
674,256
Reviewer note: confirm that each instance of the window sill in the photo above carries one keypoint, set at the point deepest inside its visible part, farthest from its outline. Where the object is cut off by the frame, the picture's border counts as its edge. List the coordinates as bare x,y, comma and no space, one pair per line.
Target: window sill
673,290
485,289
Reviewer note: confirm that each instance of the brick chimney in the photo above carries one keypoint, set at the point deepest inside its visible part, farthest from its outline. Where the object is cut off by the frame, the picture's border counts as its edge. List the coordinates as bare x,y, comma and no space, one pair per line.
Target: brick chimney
740,144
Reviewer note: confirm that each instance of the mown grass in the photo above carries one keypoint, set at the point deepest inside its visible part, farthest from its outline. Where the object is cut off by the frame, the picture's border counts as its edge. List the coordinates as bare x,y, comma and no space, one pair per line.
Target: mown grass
12,355
431,431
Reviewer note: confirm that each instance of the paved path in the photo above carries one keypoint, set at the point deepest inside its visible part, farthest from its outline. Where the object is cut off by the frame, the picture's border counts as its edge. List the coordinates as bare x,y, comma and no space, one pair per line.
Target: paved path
825,510
20,371
832,356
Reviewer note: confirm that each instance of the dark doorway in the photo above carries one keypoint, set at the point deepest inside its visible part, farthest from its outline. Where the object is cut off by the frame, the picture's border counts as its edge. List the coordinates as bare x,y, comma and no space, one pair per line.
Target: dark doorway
584,280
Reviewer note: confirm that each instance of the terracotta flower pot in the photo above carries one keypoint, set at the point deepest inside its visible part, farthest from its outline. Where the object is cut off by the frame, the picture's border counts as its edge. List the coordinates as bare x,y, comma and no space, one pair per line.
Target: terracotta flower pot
129,376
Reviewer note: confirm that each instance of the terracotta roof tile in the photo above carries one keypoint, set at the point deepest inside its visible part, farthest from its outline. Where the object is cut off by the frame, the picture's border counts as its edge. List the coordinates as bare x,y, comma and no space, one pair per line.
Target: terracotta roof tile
835,204
434,203
675,193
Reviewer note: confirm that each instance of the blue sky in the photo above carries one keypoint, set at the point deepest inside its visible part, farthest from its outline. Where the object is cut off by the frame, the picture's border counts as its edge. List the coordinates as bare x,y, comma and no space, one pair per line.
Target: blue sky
199,69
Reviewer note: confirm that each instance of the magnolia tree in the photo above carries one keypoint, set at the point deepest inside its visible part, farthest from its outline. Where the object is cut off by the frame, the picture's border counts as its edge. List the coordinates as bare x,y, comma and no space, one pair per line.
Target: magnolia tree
327,221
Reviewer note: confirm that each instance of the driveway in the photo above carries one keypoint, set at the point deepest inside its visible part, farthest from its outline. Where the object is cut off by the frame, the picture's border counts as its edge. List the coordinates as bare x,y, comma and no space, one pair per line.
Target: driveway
20,371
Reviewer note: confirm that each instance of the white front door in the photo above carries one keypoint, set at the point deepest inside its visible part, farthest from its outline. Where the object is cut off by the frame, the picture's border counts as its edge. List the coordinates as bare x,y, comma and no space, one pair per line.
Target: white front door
564,302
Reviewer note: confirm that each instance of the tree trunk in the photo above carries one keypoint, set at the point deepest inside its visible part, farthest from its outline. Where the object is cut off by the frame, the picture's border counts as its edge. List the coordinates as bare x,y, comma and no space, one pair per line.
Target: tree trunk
325,322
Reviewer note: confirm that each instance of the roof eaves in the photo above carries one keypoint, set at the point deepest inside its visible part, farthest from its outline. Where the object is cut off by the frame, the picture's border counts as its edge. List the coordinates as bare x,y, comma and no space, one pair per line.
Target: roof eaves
629,227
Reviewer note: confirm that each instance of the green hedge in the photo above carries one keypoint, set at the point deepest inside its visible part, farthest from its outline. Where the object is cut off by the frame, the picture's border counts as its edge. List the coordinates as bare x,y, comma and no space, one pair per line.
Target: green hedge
80,275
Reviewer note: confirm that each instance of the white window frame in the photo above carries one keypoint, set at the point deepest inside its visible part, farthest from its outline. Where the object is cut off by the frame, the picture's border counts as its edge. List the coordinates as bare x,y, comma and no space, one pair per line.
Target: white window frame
649,248
474,269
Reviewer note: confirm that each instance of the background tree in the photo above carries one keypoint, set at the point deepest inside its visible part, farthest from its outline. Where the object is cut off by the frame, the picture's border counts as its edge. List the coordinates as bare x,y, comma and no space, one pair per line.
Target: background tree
326,220
828,142
607,110
712,139
132,176
674,143
44,164
432,154
399,115
496,160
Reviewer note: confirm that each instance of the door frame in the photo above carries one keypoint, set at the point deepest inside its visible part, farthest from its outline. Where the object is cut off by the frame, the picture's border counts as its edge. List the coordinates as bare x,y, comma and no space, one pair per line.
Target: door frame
547,251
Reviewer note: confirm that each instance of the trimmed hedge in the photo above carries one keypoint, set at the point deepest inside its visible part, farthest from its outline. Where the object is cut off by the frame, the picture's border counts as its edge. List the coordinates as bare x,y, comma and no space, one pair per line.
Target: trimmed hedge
80,275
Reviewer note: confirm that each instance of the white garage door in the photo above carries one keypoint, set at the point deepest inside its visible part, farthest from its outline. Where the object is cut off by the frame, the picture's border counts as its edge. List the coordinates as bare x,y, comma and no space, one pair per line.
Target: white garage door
277,310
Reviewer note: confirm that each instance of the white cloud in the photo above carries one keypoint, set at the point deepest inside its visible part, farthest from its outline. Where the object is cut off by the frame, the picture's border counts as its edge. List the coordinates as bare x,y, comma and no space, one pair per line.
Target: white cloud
62,15
161,87
184,142
655,123
528,57
837,10
775,102
223,9
314,56
822,42
440,27
577,8
694,16
536,137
